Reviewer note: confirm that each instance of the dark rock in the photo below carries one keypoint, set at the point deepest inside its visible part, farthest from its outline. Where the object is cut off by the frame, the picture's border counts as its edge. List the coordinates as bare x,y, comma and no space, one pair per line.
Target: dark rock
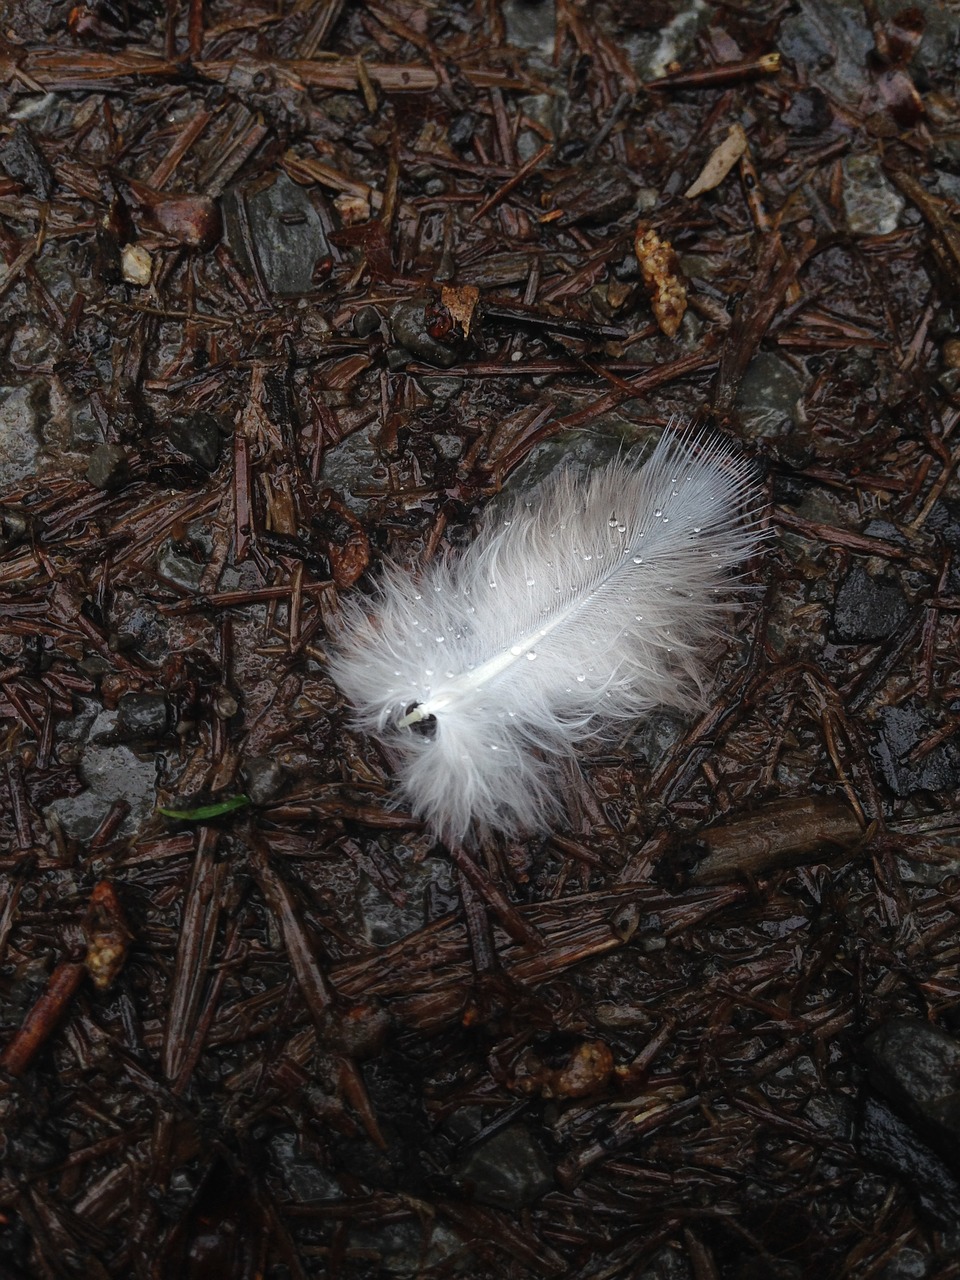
396,358
85,430
23,411
917,1067
442,389
628,268
462,128
366,321
769,397
867,608
13,529
142,717
448,447
408,322
945,152
809,112
108,467
908,1264
887,1141
833,48
509,1169
944,519
902,729
263,778
833,1113
530,24
303,1177
887,531
669,1263
139,626
24,164
286,232
198,436
181,563
32,1149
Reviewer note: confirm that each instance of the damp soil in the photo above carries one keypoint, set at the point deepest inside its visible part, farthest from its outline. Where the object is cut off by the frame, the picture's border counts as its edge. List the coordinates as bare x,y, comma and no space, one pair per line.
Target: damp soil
289,289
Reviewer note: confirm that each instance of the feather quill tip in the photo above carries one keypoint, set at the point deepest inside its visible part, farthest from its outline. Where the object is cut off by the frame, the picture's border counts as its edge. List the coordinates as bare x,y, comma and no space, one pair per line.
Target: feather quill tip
588,605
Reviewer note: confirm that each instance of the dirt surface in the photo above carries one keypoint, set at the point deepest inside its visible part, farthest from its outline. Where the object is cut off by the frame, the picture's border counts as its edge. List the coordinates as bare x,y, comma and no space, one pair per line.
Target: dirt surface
290,287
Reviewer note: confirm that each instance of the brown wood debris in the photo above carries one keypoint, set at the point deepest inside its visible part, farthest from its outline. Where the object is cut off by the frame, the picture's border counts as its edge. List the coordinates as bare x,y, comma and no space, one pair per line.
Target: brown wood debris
292,291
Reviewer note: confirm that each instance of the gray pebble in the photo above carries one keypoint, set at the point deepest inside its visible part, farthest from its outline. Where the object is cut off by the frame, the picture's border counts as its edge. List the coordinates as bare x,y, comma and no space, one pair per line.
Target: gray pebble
108,467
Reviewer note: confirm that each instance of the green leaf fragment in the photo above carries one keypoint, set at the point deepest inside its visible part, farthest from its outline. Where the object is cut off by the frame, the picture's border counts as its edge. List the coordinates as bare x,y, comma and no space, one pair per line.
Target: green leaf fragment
204,811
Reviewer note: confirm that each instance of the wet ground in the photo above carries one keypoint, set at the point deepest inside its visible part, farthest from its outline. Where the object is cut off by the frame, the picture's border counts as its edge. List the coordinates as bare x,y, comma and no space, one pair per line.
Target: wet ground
290,288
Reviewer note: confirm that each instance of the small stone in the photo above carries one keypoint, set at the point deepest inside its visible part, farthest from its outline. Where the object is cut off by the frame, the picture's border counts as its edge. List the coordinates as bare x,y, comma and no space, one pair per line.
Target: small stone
136,265
462,128
440,389
108,467
263,778
770,397
868,609
809,112
408,322
886,1140
427,890
508,1170
198,436
669,1263
628,268
142,717
177,565
285,231
352,208
917,1067
530,25
357,1030
366,321
305,1179
23,162
13,528
908,1264
225,704
34,344
314,326
22,413
448,447
192,220
903,728
396,358
873,206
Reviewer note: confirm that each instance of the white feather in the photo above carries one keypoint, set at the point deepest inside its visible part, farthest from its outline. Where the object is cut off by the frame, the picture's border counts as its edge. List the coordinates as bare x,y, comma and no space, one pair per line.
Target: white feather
587,604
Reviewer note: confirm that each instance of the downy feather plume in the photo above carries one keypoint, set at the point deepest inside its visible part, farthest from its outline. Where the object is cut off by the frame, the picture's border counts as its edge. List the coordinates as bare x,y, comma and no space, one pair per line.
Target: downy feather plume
588,603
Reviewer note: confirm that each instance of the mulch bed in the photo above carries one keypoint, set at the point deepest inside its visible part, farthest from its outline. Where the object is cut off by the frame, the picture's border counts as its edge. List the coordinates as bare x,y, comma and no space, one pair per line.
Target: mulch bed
289,288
